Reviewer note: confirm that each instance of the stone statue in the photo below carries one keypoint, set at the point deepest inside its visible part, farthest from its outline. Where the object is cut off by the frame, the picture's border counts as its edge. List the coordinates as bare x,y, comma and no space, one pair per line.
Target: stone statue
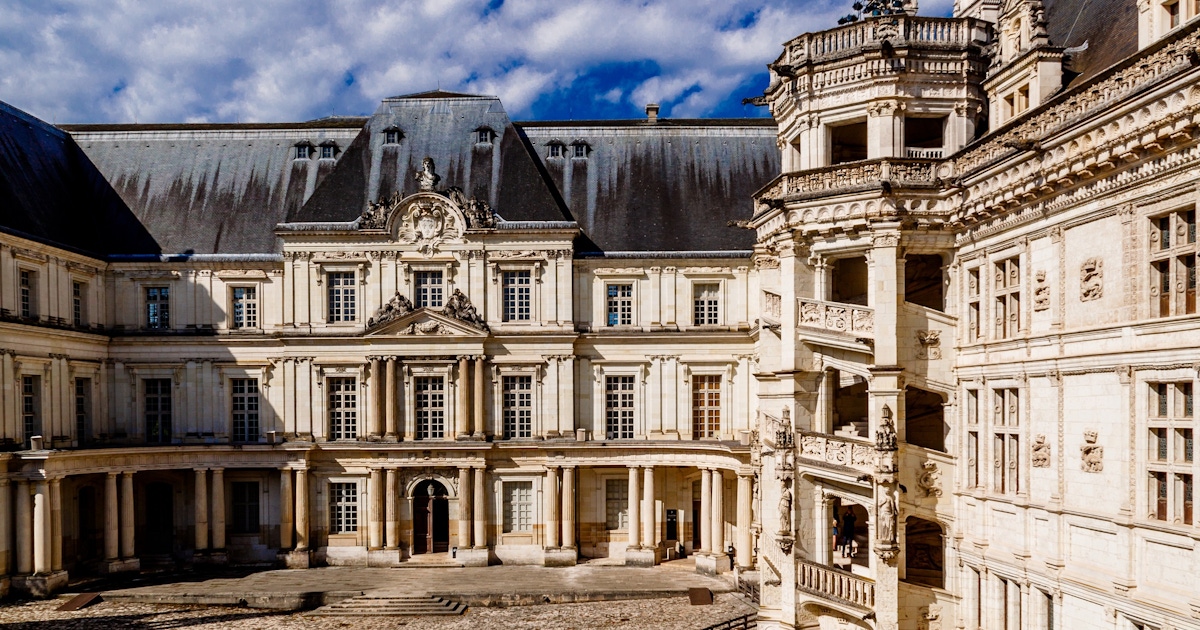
887,520
459,307
785,510
427,178
1092,454
1041,452
396,307
885,437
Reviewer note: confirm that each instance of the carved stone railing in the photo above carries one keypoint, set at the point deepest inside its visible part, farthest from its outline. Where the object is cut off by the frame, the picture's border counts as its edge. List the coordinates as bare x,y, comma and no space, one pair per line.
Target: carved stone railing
830,583
847,319
924,154
839,451
897,30
864,174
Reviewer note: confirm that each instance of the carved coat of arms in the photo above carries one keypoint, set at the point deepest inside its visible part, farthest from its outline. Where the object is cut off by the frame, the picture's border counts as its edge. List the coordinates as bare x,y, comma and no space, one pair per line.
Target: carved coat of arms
428,225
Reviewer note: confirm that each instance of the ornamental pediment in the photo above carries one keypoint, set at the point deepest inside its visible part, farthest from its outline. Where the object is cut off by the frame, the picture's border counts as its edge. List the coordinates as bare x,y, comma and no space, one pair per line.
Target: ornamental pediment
425,322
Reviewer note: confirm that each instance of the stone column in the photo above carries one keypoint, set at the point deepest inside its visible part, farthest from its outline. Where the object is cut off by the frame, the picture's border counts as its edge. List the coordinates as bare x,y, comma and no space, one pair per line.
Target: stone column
378,404
634,509
477,417
705,523
551,501
41,527
568,507
392,523
56,563
302,509
127,515
743,544
462,406
479,510
375,509
718,513
389,412
649,514
201,507
218,509
5,530
287,499
24,528
464,508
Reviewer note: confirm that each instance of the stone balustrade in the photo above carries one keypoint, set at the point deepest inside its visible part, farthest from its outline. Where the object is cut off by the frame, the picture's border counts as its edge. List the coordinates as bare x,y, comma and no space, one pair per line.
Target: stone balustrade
851,176
839,451
847,319
824,581
897,30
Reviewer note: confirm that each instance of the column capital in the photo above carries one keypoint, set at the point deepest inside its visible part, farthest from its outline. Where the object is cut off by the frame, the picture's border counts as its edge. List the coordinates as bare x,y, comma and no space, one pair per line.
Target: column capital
111,473
127,473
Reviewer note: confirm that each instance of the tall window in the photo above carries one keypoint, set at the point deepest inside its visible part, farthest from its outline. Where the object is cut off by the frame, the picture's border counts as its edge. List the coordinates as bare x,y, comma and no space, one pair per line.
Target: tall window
1172,452
343,508
1008,298
518,506
518,406
706,406
430,292
245,307
343,408
620,304
972,438
245,506
83,410
516,296
341,296
245,409
158,307
618,407
705,307
430,405
158,410
1173,263
973,308
1006,431
616,504
31,408
28,282
78,306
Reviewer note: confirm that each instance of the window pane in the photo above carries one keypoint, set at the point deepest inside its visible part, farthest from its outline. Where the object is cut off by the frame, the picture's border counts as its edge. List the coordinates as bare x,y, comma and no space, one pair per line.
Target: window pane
341,297
618,403
343,408
429,289
430,406
517,296
343,508
518,406
616,504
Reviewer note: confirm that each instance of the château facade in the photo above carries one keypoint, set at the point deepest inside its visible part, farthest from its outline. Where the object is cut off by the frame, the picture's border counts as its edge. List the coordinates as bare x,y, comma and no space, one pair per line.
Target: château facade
919,350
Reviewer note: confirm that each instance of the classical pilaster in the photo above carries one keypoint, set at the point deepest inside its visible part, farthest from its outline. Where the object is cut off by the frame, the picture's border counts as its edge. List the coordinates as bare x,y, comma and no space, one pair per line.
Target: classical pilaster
127,552
287,499
568,507
744,544
391,514
379,386
375,510
649,513
56,559
477,417
462,408
464,508
24,528
551,501
302,509
218,511
390,402
635,504
5,534
705,523
41,527
479,509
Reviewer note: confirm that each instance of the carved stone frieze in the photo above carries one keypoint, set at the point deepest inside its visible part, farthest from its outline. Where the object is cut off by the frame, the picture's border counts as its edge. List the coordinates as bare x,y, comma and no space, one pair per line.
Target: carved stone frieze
1041,292
1091,280
930,344
426,328
1040,458
427,224
1091,454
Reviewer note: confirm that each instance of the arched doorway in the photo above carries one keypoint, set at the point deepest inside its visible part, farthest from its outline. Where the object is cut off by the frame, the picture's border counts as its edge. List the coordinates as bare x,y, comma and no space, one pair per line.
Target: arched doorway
160,519
431,518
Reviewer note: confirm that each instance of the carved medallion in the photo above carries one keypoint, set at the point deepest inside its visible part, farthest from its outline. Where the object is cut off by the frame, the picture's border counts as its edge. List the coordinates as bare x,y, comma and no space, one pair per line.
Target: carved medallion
1091,454
1091,280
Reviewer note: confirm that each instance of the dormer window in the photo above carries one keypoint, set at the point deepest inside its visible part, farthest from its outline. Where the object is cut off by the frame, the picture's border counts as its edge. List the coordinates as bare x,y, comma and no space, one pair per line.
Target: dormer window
303,151
484,135
579,150
328,150
555,150
392,135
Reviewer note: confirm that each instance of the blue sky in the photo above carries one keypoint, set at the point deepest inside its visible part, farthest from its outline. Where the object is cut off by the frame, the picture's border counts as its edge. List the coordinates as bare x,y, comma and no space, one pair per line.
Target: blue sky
274,60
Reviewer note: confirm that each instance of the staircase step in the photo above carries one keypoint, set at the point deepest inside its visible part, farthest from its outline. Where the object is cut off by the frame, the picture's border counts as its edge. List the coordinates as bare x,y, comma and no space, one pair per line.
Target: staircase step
412,605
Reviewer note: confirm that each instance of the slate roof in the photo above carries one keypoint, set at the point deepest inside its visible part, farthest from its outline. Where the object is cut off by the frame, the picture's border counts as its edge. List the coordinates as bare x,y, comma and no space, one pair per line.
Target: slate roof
1109,27
443,126
672,185
213,188
50,191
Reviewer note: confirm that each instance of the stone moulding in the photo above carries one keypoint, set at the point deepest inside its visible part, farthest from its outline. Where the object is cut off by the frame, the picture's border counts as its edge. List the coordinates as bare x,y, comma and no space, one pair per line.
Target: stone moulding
837,317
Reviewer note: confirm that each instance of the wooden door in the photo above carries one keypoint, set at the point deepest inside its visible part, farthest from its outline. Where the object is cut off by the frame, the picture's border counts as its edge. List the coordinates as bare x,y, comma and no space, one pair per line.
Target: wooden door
422,525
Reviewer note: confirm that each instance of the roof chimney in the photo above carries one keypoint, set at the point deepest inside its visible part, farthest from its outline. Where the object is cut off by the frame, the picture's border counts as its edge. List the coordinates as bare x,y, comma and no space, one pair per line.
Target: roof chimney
652,113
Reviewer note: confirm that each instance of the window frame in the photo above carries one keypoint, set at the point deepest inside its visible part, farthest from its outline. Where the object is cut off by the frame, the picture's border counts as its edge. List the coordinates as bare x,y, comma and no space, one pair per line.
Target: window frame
517,516
251,433
710,304
1170,458
703,426
161,412
1172,280
250,318
345,516
27,292
974,293
511,304
617,305
79,302
512,415
1007,299
32,413
241,509
618,498
424,410
346,294
82,390
623,414
1006,430
442,286
157,312
344,413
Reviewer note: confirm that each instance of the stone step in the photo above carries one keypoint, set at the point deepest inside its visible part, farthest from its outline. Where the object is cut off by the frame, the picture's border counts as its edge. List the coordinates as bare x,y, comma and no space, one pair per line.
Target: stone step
412,605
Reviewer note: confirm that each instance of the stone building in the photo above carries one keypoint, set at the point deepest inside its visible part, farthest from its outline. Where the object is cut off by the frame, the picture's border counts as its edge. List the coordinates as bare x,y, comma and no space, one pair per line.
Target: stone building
919,349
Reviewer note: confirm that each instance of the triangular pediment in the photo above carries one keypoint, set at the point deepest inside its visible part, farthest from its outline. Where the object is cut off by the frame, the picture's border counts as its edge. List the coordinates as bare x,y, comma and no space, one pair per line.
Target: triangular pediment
424,322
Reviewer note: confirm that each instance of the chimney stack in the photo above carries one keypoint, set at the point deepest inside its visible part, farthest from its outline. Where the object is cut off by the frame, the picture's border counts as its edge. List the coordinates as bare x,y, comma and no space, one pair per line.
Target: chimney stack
652,113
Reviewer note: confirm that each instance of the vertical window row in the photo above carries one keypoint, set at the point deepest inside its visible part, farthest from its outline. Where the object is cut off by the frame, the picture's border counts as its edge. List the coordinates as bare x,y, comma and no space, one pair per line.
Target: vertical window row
1173,263
1170,458
1006,436
1008,298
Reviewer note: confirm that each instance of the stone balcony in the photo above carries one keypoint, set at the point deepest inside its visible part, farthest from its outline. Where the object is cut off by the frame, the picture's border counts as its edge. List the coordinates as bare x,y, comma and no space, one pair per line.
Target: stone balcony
896,30
830,451
837,586
835,317
883,174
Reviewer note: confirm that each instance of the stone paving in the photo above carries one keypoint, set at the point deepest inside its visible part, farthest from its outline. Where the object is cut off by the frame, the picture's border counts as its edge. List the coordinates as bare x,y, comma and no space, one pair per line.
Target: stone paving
584,596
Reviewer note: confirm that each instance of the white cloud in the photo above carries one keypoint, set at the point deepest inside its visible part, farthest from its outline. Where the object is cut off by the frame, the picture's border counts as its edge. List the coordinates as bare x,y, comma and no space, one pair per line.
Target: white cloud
270,60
